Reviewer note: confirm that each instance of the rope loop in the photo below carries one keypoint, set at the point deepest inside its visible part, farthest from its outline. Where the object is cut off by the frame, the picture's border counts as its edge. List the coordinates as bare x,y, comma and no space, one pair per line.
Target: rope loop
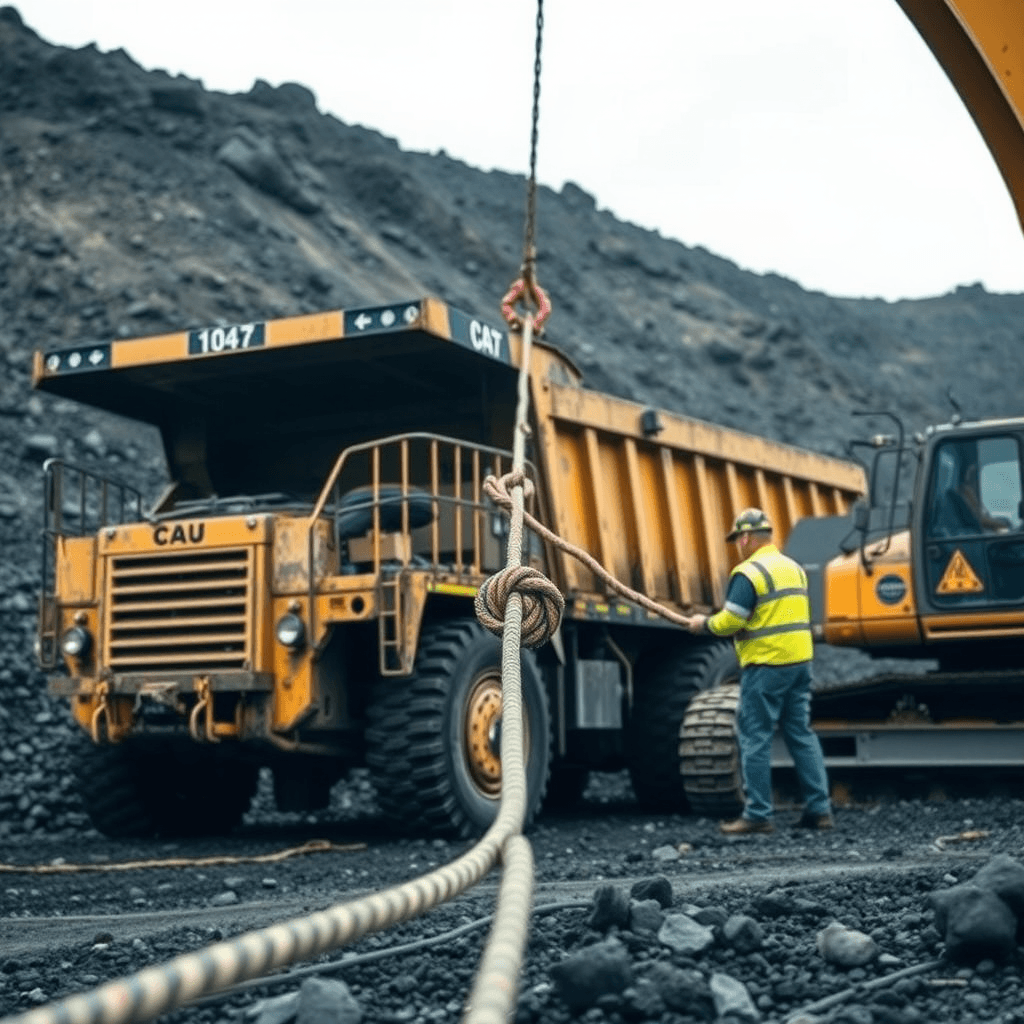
528,290
498,489
543,603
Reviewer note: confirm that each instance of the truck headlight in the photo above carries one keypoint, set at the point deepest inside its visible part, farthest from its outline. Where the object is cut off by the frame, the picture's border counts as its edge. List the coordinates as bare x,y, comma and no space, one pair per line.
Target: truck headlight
75,642
290,631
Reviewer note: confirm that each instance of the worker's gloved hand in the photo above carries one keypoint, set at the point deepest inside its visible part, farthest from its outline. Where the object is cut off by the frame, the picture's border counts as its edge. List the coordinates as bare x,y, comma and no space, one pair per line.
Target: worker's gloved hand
696,623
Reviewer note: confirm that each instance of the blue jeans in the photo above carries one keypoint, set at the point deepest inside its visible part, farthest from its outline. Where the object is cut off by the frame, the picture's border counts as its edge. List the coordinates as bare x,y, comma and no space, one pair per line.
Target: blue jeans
770,696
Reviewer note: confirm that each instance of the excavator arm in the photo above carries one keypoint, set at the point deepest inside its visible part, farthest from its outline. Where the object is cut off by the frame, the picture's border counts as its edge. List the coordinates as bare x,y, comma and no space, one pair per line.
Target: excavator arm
980,45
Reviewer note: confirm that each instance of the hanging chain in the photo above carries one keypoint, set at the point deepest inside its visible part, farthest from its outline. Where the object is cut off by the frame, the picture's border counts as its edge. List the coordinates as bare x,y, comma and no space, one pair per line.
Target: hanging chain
529,240
526,287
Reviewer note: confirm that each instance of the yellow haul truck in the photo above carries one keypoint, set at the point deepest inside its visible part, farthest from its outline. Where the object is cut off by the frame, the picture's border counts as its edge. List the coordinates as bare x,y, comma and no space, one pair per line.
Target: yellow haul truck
301,594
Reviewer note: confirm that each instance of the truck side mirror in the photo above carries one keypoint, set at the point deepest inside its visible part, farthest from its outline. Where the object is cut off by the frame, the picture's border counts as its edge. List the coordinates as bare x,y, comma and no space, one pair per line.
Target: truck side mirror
861,515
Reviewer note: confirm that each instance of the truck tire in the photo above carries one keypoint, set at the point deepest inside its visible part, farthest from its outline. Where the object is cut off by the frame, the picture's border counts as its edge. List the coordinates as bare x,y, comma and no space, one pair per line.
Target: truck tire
108,785
663,692
206,795
432,738
709,748
129,793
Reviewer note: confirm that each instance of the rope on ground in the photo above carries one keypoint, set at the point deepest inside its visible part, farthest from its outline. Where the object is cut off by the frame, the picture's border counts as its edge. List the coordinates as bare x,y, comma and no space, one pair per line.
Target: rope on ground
358,959
313,846
181,981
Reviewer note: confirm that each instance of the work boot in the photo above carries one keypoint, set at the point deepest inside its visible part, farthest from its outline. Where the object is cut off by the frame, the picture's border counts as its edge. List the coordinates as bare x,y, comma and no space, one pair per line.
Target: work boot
745,827
819,822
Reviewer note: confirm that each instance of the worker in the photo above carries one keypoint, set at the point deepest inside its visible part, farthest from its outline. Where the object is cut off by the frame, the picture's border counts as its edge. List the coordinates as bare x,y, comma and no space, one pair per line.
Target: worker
968,490
958,509
767,614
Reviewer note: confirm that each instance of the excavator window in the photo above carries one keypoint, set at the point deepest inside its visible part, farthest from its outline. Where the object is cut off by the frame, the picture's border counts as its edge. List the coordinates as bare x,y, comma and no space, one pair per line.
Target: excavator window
976,488
974,542
999,480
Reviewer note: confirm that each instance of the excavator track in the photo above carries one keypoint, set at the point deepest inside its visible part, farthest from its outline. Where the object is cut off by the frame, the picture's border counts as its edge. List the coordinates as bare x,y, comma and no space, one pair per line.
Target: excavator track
709,753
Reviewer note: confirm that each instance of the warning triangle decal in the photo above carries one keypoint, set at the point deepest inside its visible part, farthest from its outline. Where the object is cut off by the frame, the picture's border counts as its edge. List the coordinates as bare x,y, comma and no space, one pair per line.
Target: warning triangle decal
959,577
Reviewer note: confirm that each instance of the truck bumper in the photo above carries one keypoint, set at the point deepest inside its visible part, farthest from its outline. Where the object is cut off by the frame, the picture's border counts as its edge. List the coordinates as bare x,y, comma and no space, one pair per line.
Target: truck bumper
134,685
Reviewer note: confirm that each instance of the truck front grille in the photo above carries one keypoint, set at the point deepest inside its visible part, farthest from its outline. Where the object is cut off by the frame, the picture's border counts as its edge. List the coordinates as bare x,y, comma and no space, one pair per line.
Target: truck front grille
181,611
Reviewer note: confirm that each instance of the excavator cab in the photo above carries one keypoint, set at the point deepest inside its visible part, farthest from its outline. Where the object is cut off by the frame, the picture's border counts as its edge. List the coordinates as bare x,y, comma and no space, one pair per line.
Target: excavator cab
927,567
970,553
930,560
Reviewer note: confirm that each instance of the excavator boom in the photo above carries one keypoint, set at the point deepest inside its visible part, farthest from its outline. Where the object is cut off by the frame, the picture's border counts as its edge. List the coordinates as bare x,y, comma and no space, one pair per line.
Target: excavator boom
980,45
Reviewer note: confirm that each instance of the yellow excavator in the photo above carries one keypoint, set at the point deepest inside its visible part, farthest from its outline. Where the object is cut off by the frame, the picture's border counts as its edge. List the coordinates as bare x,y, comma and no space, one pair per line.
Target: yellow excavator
929,564
980,45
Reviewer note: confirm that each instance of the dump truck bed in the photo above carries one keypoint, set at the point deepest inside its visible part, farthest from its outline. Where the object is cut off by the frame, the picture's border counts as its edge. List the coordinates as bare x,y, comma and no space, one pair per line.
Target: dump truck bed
653,494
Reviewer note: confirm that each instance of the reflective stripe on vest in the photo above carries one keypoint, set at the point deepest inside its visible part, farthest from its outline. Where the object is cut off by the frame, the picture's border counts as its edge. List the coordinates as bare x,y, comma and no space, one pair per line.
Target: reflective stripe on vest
778,631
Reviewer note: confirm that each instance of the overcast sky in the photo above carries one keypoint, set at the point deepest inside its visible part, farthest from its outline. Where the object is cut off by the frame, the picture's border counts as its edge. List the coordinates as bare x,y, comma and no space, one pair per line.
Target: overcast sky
818,139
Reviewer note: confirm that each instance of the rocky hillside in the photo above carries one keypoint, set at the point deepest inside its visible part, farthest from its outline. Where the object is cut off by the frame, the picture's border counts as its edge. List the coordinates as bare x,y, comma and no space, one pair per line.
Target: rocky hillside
134,203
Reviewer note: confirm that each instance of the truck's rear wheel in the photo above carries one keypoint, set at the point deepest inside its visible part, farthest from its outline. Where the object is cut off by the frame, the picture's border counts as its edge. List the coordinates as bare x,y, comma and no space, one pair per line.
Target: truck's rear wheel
131,793
663,691
433,738
566,787
709,748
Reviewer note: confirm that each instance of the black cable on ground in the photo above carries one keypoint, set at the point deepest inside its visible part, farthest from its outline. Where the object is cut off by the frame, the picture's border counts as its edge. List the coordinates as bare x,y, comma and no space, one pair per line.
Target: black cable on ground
868,986
380,954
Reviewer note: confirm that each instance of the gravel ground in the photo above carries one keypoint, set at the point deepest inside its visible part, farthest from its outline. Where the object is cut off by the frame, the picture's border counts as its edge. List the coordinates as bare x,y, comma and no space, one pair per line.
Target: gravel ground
661,918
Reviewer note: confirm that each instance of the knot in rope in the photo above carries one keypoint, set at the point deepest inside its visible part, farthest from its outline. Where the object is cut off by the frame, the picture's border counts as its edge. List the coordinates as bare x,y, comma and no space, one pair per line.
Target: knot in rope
542,603
497,489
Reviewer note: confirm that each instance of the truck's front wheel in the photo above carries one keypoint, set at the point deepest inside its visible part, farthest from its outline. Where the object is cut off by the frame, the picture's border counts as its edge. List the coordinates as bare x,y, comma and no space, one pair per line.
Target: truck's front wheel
130,792
433,738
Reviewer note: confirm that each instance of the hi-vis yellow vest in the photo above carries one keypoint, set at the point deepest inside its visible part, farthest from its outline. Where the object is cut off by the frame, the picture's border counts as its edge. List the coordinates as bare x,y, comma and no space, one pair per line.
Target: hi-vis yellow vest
778,631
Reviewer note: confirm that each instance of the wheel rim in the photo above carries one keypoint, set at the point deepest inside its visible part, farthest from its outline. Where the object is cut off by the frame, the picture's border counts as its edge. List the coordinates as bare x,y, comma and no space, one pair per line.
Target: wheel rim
482,733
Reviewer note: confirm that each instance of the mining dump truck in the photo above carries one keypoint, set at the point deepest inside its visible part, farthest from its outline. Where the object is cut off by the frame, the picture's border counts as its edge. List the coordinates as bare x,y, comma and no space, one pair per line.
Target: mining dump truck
300,596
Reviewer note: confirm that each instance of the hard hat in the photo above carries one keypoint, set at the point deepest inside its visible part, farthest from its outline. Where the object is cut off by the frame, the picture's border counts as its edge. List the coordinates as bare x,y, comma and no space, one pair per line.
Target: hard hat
750,520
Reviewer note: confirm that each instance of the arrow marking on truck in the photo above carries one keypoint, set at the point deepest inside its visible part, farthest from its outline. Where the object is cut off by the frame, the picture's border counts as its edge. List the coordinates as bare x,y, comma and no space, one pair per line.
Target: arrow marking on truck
381,318
78,360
